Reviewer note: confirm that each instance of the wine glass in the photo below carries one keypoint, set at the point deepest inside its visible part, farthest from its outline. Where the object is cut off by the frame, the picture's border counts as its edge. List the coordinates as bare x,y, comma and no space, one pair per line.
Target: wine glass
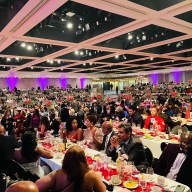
142,182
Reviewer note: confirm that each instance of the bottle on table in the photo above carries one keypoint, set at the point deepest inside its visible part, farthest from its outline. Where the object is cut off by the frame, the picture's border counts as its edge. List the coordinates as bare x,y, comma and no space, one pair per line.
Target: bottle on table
64,141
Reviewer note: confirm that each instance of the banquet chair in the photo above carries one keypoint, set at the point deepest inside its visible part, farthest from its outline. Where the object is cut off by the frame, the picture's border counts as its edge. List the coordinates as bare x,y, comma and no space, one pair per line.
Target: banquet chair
149,156
3,182
17,172
163,146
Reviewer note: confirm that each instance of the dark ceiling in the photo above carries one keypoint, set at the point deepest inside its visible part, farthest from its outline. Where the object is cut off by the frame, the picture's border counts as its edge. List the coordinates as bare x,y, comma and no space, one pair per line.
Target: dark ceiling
91,36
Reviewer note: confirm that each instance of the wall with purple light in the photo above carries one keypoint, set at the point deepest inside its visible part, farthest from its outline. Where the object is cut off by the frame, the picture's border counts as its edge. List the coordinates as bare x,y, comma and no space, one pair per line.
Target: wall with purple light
154,78
82,82
63,82
43,82
12,82
176,76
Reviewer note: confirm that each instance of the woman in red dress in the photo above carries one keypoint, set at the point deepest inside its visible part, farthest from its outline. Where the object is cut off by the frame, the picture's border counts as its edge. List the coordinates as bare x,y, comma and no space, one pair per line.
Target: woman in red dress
73,130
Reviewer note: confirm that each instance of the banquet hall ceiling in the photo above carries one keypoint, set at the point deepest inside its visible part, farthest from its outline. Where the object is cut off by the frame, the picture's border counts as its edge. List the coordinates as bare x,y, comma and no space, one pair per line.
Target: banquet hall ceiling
95,37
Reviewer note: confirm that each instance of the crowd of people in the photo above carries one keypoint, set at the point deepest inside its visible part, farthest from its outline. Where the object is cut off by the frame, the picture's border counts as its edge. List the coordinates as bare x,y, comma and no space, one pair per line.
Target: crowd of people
77,116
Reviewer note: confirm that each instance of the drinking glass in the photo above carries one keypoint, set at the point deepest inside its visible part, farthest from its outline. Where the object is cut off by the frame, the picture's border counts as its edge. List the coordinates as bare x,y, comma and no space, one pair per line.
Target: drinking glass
142,182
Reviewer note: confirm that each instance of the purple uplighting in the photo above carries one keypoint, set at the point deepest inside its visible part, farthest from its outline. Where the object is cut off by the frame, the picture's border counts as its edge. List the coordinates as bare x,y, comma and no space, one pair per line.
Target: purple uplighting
177,76
43,82
63,82
12,82
82,82
154,78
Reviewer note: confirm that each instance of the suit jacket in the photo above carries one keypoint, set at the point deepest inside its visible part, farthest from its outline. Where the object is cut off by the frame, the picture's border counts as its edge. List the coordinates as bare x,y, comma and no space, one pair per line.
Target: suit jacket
137,119
104,140
55,126
166,161
134,149
7,147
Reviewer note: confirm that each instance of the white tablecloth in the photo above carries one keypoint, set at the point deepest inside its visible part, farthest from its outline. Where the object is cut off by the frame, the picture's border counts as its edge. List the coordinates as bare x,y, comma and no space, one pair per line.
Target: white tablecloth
154,145
56,163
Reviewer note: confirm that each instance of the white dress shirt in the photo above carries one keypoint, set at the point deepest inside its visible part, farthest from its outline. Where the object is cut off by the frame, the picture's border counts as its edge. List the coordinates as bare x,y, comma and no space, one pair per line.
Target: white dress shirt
176,166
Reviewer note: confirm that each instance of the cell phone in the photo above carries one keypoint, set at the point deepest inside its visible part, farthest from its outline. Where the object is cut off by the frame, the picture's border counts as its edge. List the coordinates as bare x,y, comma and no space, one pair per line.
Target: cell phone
179,188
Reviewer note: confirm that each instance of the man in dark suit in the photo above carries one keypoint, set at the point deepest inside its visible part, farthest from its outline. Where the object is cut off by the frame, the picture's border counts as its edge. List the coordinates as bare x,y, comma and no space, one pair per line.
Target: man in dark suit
176,161
64,113
126,145
134,117
108,132
7,146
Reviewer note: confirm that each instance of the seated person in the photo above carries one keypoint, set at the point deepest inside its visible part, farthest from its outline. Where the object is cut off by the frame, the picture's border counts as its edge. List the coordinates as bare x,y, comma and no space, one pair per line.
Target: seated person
135,117
108,132
188,113
175,161
19,131
23,186
75,175
92,131
127,145
155,119
73,130
29,153
7,147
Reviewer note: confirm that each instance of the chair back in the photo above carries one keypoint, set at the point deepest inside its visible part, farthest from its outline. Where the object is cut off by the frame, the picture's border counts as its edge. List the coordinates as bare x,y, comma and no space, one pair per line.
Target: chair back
149,155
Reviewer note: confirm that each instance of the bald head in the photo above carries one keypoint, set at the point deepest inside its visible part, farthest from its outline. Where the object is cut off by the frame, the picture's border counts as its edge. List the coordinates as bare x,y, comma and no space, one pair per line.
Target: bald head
107,127
2,130
23,186
186,143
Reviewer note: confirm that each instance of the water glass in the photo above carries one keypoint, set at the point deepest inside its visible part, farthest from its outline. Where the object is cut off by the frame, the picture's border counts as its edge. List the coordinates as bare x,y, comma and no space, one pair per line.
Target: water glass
142,182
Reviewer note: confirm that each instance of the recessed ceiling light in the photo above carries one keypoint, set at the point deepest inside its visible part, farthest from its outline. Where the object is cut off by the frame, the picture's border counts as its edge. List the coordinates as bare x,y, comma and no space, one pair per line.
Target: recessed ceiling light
23,45
69,25
130,36
29,47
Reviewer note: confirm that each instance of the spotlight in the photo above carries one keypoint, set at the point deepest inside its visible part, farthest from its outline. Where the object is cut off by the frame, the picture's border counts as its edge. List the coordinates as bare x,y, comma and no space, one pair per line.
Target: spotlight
105,19
90,63
69,25
81,53
58,61
31,67
23,45
80,19
29,47
51,61
17,58
84,64
117,56
83,29
8,59
97,23
151,58
76,52
48,61
79,26
144,37
63,19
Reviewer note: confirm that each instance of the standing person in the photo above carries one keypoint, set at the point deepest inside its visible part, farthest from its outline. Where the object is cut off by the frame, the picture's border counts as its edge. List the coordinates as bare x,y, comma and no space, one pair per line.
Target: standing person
7,122
117,90
35,119
75,175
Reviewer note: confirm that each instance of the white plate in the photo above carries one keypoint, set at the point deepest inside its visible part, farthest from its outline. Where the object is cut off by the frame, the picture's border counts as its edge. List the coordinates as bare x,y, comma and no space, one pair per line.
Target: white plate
112,166
115,184
131,187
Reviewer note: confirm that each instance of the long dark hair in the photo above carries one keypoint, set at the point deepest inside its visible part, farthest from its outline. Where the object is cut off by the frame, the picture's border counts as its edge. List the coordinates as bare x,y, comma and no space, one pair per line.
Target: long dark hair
75,166
69,123
45,121
29,144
